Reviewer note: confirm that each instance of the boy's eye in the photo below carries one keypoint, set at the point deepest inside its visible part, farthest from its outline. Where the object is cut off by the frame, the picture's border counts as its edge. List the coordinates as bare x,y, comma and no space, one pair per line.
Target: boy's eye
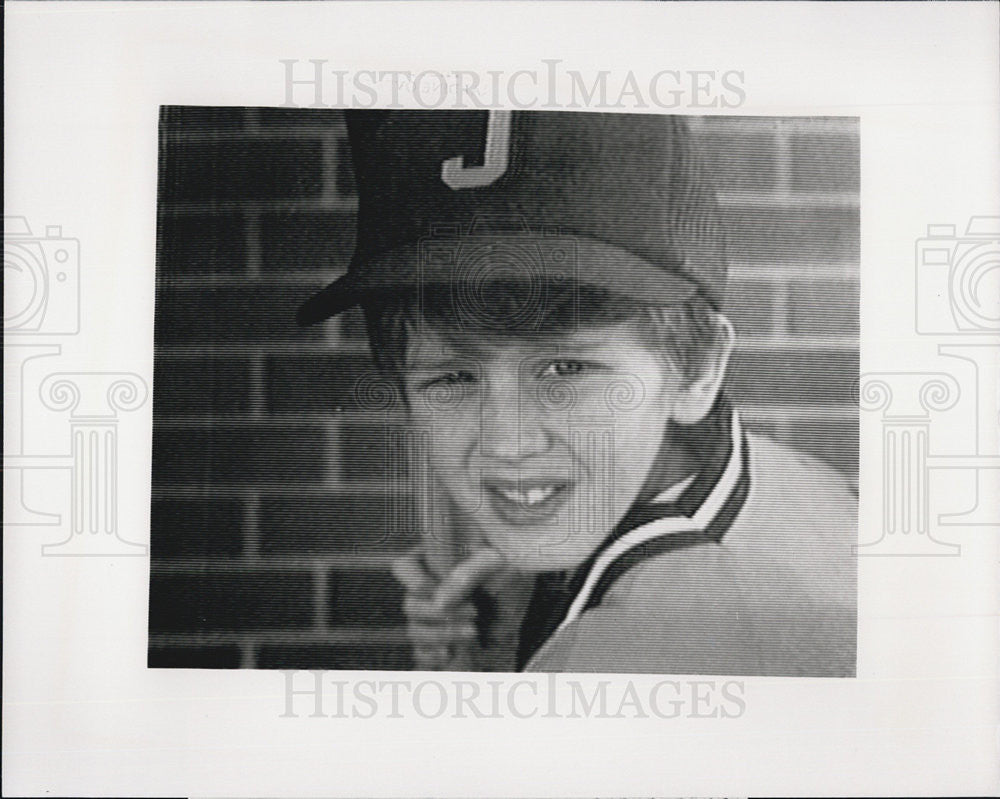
449,379
564,368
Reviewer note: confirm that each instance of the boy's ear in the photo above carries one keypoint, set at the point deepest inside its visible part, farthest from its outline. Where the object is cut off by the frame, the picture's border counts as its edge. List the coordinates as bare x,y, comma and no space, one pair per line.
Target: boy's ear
697,397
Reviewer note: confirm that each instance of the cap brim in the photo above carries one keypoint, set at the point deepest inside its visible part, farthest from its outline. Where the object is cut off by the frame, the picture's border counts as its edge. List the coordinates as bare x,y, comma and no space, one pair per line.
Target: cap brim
597,263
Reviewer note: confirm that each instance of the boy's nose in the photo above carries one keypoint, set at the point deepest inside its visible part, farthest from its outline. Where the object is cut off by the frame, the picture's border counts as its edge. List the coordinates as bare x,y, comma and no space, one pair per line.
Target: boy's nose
510,429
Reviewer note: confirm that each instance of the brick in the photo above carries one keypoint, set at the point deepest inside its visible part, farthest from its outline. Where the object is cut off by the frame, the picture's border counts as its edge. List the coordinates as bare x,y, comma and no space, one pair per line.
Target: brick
793,377
238,454
825,162
184,386
326,383
740,161
243,169
226,314
750,307
810,234
198,657
229,601
320,119
366,599
193,118
183,528
823,308
364,523
364,453
329,657
301,241
345,170
201,244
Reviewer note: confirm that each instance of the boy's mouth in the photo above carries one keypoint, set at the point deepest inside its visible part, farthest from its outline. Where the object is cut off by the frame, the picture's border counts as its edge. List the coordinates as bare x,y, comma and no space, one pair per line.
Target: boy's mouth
523,501
530,497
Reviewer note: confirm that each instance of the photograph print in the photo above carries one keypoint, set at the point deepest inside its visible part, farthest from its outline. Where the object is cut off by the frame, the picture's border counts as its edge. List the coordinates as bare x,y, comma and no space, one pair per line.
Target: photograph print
505,391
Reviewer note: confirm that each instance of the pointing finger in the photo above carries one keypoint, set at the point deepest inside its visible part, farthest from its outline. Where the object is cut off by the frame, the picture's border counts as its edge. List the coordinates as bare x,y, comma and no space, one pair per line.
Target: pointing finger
466,577
411,571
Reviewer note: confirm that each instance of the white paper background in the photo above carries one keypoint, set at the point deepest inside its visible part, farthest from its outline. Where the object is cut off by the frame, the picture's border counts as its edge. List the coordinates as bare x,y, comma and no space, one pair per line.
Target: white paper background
83,716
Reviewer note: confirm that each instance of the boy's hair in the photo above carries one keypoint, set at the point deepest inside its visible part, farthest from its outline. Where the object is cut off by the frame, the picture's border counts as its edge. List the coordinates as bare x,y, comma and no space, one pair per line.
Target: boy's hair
682,333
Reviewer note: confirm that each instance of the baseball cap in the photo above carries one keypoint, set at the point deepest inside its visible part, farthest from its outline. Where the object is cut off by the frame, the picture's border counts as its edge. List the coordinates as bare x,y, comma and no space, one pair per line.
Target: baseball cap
628,191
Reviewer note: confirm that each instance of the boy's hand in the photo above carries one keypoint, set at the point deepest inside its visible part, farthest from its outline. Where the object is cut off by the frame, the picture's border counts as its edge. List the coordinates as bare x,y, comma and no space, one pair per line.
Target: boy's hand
440,612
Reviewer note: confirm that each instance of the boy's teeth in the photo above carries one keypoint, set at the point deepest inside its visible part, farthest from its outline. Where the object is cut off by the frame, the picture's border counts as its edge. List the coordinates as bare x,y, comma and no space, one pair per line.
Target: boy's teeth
530,497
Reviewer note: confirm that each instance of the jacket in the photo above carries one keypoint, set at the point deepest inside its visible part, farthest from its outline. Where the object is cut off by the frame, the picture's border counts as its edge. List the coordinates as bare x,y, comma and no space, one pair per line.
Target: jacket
753,574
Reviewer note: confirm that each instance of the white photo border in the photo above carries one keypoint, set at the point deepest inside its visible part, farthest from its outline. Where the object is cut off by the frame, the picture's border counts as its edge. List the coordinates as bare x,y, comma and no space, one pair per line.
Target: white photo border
83,715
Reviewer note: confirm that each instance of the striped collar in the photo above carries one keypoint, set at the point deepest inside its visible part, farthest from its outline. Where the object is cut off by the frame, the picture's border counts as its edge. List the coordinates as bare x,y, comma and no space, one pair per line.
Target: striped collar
675,491
706,507
703,513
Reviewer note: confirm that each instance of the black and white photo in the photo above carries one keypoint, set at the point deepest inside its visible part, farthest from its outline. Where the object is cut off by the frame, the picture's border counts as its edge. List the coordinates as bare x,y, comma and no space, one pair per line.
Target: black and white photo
450,399
582,401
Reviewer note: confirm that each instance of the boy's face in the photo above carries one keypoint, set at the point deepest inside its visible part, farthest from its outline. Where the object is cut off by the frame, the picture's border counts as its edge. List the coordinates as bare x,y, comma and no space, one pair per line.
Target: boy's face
541,443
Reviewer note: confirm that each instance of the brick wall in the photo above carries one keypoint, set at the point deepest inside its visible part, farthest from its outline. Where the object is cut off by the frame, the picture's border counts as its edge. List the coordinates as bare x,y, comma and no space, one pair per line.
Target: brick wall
270,539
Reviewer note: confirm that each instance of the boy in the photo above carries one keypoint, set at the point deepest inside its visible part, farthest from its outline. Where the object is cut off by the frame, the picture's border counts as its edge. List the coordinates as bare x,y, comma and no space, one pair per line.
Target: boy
544,290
